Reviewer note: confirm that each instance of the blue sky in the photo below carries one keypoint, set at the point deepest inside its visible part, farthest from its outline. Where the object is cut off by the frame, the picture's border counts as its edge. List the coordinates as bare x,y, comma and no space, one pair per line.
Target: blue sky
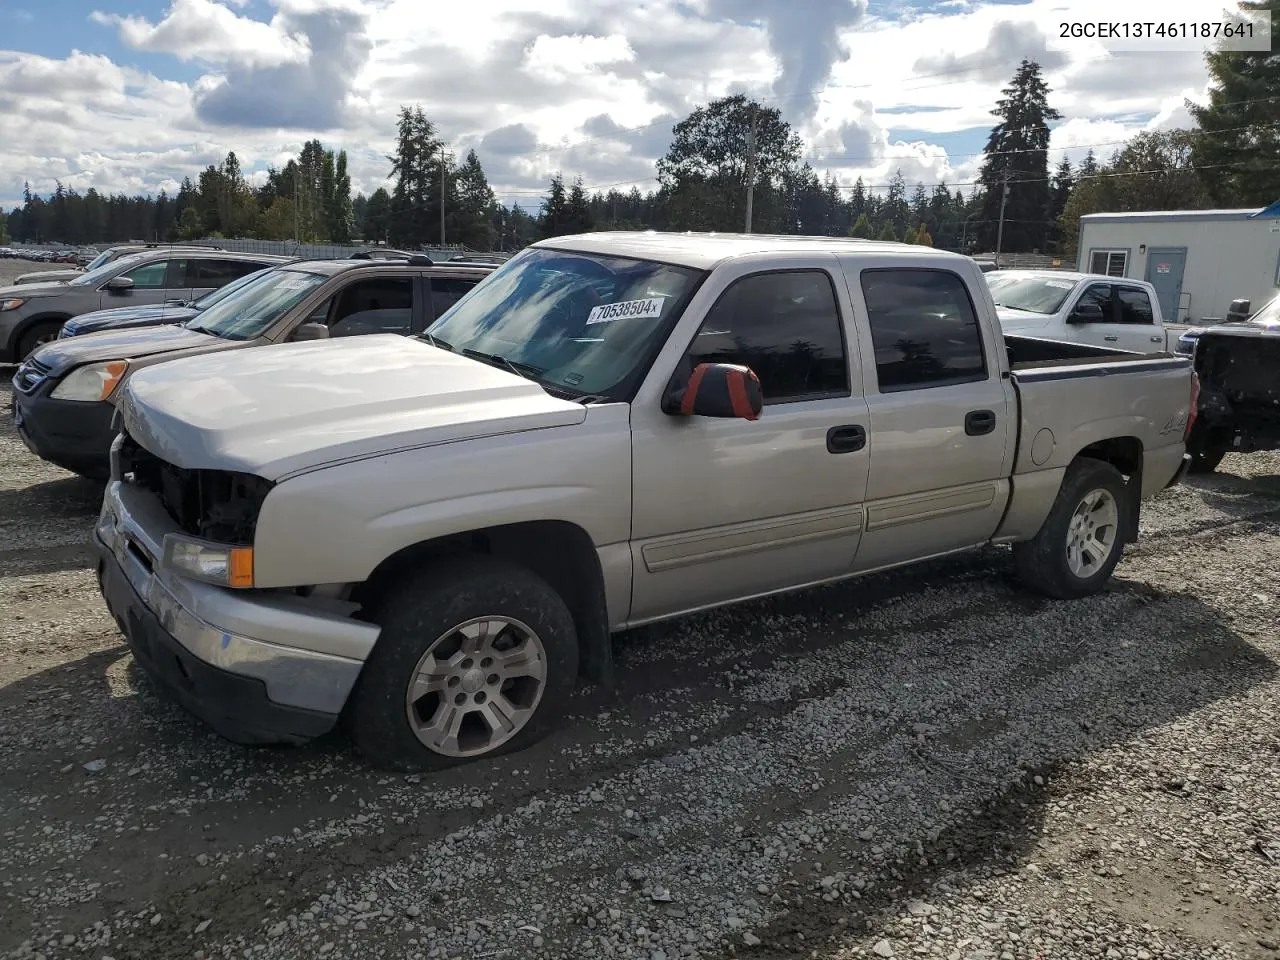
132,95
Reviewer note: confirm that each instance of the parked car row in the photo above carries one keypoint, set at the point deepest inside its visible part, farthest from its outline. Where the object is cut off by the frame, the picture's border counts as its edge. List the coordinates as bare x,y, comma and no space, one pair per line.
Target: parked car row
434,528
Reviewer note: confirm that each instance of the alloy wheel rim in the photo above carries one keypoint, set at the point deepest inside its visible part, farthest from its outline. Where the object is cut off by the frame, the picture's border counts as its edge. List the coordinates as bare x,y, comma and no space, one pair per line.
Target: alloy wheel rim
477,686
1092,533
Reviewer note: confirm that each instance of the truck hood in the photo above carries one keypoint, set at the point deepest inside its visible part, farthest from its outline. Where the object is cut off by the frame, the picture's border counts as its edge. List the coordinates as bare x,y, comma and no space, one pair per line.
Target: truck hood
61,355
295,407
119,318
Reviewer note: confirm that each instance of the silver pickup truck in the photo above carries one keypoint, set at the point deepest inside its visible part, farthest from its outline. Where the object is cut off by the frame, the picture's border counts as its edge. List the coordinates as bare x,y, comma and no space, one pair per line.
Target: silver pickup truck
433,537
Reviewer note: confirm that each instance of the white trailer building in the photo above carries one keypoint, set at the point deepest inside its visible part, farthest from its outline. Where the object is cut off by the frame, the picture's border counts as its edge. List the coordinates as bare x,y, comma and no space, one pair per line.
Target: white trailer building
1198,260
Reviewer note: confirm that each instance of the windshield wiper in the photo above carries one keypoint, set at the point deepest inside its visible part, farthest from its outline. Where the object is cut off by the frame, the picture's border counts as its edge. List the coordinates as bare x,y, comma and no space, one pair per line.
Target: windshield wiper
436,341
526,370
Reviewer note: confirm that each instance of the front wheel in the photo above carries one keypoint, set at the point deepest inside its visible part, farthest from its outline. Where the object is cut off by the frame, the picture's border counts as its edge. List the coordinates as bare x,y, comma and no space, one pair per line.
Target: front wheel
40,334
476,657
1080,542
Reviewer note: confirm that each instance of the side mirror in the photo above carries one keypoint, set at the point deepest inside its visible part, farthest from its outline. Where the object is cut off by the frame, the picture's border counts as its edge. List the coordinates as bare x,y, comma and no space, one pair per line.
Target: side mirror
723,390
309,331
1086,313
118,284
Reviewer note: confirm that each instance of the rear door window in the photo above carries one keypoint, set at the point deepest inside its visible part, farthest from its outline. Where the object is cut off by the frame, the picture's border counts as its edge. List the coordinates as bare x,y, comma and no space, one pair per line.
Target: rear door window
446,291
373,305
924,329
1135,305
206,273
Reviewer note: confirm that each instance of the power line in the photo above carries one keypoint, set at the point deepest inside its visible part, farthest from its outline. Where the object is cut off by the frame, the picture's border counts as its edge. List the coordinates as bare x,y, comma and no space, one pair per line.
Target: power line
1074,146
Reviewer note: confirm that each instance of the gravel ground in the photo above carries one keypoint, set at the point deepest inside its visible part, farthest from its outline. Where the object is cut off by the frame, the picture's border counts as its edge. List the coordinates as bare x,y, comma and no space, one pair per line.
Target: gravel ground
931,763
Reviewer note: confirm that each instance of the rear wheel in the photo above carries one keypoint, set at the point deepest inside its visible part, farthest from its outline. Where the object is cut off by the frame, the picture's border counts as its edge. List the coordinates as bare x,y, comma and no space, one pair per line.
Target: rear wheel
46,331
476,658
1079,544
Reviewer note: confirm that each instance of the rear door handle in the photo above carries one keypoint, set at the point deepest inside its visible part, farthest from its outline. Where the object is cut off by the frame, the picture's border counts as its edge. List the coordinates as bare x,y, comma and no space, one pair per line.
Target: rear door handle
846,439
1157,339
978,422
1111,339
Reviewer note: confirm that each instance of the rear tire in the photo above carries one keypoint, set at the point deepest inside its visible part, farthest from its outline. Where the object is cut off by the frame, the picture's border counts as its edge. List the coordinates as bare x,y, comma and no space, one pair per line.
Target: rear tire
477,657
1205,461
1079,544
42,333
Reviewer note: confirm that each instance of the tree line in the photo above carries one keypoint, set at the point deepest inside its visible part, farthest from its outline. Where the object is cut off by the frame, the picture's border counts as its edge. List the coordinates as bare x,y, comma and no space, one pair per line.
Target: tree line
1230,158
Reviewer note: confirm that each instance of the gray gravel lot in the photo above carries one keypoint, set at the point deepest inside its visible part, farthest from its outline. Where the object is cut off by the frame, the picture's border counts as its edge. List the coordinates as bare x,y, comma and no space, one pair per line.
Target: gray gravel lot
931,763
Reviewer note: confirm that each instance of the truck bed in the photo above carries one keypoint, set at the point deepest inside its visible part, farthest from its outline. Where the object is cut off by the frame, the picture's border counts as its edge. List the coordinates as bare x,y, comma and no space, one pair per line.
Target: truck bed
1037,353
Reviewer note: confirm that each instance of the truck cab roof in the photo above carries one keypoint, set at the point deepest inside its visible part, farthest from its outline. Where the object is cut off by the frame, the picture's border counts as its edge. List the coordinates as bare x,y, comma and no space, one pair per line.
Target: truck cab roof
702,251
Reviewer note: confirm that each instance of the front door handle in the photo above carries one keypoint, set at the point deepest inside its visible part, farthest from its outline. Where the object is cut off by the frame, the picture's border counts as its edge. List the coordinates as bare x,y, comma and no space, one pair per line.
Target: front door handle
846,439
1111,339
1157,339
978,422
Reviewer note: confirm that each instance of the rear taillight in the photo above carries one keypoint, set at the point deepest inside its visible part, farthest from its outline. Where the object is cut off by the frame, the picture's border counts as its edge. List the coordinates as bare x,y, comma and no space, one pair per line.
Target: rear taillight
1195,405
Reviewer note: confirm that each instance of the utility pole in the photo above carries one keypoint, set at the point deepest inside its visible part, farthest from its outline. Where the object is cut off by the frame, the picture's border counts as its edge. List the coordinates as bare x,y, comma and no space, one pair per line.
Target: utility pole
444,175
1004,199
751,166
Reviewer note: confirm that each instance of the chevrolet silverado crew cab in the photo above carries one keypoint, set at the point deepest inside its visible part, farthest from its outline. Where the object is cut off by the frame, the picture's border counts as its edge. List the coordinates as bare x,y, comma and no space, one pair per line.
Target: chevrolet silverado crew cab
31,315
433,536
64,393
1081,308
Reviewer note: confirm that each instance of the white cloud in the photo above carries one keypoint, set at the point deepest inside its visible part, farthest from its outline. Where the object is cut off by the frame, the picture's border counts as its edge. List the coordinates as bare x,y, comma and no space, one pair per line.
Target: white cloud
209,31
588,88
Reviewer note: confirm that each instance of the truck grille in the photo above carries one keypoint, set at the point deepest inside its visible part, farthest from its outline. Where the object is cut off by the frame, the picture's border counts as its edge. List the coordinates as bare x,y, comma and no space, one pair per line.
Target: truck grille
30,375
216,505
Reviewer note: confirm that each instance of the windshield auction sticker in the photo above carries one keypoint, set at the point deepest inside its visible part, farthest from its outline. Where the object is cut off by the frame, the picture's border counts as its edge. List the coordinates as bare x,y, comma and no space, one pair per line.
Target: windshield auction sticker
626,310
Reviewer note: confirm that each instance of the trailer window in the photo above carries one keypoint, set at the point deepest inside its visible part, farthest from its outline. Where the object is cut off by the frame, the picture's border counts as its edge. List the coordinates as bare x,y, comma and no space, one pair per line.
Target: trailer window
1110,263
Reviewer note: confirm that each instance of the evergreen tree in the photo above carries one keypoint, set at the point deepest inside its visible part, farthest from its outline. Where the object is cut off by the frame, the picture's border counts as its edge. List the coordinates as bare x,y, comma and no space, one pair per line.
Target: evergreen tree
416,169
475,228
578,212
554,221
887,232
1017,155
1239,146
923,238
377,216
861,227
1088,166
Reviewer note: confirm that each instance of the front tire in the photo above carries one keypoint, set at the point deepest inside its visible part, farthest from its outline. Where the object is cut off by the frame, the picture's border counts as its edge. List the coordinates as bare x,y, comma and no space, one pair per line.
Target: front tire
477,657
1080,542
40,334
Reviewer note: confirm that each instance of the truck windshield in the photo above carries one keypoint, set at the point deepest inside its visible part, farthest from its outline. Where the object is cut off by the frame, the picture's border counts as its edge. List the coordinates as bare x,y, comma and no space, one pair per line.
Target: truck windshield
582,323
250,311
1032,294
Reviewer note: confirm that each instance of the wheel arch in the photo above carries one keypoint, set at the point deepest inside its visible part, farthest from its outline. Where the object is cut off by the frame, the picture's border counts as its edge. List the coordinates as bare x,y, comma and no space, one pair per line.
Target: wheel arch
1126,455
560,552
25,325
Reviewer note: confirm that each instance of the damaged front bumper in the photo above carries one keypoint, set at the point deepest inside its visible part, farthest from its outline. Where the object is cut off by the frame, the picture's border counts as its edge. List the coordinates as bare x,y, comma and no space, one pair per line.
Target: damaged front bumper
233,658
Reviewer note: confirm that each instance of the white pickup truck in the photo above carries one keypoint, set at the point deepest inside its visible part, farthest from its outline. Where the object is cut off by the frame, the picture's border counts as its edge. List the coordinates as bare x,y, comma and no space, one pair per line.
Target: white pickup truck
433,536
1081,308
